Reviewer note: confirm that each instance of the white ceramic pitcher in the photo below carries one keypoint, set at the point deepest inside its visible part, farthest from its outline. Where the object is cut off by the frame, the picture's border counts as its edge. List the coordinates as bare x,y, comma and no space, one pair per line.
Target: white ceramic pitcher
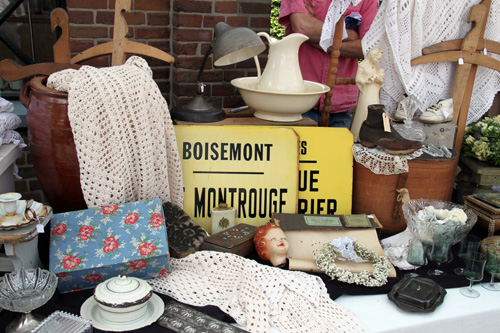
282,72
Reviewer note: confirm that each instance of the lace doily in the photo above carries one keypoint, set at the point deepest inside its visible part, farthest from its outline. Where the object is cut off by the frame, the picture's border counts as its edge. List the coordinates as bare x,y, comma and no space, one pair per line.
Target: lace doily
335,11
255,295
60,81
5,105
124,137
346,249
9,121
403,28
382,163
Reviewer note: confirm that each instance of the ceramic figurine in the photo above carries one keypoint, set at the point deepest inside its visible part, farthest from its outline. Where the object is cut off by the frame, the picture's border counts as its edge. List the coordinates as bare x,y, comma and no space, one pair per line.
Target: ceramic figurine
271,244
369,79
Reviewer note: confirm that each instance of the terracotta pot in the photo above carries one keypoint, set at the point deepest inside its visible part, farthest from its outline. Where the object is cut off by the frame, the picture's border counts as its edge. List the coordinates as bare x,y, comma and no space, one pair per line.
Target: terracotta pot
429,178
52,146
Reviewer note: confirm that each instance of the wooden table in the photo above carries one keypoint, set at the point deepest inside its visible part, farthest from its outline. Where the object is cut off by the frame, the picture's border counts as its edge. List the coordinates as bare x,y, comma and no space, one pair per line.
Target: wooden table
246,118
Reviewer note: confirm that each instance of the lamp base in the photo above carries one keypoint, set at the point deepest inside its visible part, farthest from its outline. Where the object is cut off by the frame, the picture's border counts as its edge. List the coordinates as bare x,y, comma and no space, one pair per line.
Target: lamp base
198,110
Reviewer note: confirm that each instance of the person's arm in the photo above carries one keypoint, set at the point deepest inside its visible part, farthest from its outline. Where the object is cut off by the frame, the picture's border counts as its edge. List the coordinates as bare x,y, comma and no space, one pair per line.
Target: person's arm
307,25
312,27
351,49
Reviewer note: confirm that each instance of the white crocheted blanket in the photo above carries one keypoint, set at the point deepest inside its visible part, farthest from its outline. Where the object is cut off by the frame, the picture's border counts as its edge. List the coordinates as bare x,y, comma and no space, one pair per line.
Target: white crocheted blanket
403,28
9,121
124,136
255,295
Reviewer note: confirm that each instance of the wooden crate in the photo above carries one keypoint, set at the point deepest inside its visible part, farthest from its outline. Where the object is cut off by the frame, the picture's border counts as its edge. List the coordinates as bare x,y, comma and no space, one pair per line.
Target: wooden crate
482,173
488,215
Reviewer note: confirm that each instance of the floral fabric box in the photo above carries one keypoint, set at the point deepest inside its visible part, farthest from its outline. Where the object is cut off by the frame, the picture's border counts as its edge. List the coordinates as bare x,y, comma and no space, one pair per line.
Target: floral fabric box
90,246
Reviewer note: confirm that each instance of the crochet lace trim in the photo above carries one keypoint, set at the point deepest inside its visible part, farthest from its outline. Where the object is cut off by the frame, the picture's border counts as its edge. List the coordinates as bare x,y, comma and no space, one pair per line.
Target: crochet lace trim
382,163
255,295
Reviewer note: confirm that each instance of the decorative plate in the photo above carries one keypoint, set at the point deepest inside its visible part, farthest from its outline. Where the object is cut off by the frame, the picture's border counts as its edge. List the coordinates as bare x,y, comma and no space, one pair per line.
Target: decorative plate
417,294
19,220
90,310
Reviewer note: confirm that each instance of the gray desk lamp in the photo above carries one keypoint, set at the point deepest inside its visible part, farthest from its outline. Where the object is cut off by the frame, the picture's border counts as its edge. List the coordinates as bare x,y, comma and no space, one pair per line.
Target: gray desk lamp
230,46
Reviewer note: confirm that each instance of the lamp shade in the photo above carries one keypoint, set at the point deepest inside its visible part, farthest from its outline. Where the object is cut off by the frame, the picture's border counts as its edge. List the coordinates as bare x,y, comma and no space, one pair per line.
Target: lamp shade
233,45
230,45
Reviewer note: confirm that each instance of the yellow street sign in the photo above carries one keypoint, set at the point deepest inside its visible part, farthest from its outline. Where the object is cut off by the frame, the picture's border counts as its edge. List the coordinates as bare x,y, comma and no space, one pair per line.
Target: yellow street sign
251,168
325,170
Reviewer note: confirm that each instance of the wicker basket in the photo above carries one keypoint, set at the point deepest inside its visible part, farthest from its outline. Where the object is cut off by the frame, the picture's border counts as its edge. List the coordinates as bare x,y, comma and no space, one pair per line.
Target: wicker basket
429,178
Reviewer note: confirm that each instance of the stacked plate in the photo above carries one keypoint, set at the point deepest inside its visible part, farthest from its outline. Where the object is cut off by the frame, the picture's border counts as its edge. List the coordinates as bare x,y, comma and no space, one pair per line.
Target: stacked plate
121,304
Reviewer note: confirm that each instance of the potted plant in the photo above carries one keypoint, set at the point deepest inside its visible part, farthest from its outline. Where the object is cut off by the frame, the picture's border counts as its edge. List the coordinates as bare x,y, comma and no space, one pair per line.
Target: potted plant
482,140
481,151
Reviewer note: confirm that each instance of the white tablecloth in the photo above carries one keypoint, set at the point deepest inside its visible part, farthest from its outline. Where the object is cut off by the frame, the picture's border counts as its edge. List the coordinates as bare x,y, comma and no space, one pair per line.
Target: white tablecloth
457,314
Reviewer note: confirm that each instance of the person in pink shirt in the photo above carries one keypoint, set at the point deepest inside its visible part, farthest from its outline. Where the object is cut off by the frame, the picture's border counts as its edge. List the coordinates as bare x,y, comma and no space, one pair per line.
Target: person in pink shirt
306,17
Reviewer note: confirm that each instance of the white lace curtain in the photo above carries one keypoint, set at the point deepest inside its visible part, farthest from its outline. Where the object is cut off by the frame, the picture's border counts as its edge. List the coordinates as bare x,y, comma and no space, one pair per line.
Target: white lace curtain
403,28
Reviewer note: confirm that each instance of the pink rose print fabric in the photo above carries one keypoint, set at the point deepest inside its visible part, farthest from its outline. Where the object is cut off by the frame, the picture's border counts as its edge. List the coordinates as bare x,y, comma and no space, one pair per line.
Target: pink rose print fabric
146,249
93,278
85,232
156,220
131,218
59,229
107,210
90,246
111,244
70,262
137,264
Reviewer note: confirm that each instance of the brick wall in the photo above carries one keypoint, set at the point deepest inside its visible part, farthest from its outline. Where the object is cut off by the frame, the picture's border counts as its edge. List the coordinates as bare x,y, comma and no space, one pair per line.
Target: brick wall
193,23
91,23
182,28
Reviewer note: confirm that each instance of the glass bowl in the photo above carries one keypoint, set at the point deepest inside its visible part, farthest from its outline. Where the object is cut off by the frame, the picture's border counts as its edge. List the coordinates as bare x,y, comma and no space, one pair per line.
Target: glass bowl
23,291
27,289
427,230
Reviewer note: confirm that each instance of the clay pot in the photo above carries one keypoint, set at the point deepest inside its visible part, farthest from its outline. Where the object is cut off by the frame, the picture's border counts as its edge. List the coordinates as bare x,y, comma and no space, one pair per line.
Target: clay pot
52,146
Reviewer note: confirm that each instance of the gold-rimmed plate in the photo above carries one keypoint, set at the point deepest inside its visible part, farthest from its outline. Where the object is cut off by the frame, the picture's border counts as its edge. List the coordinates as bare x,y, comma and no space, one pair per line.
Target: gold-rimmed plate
19,219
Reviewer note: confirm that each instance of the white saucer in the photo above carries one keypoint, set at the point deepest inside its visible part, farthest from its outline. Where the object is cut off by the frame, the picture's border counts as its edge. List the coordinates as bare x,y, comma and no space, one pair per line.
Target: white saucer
90,310
10,222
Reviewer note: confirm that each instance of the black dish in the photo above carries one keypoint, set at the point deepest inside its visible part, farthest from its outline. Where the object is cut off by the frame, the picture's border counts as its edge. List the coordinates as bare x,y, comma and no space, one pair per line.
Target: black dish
417,294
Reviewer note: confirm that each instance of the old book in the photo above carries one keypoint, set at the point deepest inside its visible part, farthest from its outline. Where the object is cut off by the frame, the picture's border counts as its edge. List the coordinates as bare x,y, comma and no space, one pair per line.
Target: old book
325,222
237,240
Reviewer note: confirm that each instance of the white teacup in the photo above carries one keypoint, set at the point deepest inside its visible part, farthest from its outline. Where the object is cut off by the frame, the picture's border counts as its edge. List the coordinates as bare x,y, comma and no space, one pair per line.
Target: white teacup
9,201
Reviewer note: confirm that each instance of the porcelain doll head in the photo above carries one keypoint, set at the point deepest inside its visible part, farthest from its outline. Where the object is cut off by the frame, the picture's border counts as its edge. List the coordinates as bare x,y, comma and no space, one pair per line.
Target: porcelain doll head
271,244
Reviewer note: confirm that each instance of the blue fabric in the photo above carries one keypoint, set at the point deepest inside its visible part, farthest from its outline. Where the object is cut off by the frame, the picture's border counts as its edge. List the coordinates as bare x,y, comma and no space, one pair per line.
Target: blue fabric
339,119
93,245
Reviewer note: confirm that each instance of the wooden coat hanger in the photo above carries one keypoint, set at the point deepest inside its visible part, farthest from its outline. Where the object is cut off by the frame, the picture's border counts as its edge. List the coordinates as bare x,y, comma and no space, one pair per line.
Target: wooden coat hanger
468,50
118,48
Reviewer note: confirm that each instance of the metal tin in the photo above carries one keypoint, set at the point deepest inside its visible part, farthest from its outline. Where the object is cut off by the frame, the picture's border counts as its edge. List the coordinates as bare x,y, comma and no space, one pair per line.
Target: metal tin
223,217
